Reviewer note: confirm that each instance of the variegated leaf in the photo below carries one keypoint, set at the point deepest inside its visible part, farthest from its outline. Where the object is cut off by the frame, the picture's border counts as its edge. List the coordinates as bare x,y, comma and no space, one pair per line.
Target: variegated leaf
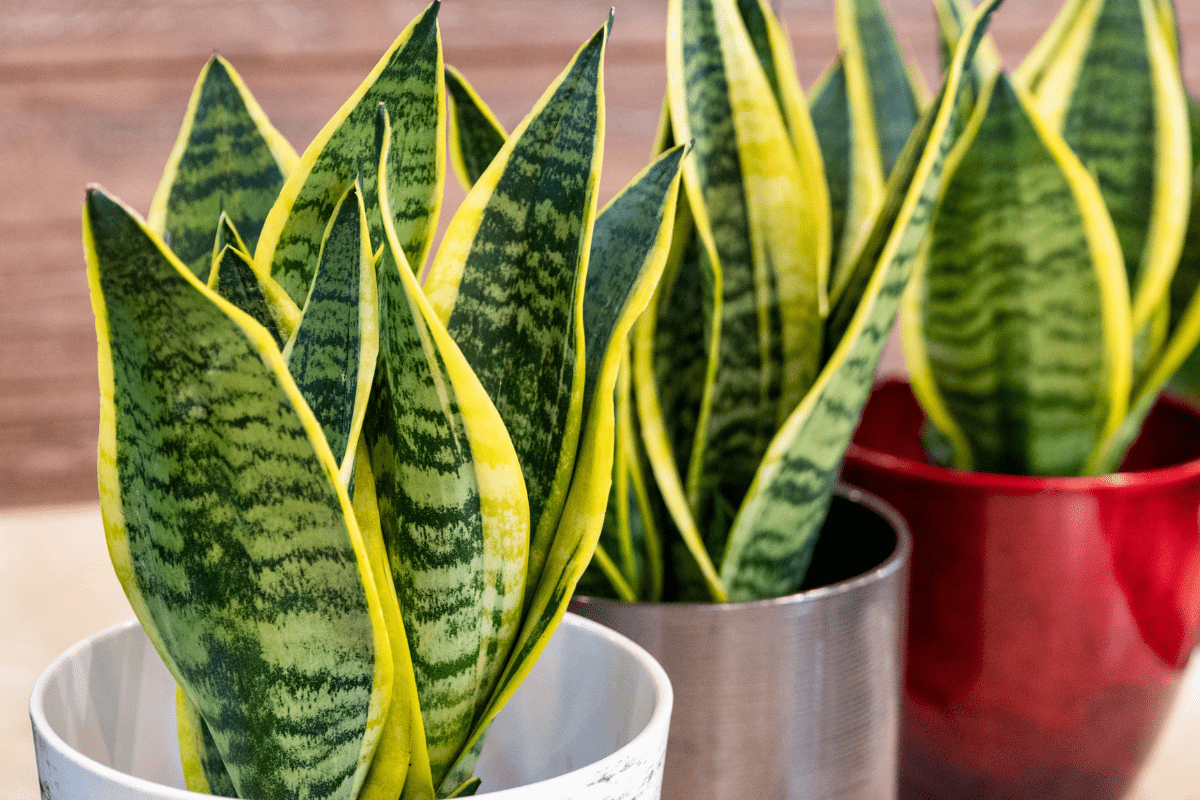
235,278
221,504
333,351
408,80
507,281
475,133
228,159
773,533
446,467
203,770
766,239
1114,90
628,252
1017,328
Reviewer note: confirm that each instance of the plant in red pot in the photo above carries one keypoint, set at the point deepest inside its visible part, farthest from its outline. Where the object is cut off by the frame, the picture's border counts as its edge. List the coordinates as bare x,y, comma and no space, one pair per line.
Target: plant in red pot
1056,564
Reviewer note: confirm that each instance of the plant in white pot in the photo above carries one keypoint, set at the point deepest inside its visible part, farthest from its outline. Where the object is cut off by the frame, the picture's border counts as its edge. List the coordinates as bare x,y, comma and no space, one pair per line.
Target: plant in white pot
349,506
1055,557
740,395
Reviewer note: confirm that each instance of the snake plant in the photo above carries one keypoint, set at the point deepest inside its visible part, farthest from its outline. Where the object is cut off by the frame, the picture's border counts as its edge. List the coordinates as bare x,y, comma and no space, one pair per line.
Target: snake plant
349,506
799,226
1038,327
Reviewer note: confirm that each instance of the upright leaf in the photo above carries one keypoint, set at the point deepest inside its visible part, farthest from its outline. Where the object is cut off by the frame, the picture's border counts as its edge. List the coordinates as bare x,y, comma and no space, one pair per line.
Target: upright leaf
771,540
475,133
1018,326
766,238
333,351
408,80
228,159
507,281
1115,92
235,278
216,529
629,250
444,462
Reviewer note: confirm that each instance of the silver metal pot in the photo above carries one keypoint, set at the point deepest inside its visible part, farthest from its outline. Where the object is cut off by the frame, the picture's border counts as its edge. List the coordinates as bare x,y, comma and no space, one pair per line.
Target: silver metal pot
797,697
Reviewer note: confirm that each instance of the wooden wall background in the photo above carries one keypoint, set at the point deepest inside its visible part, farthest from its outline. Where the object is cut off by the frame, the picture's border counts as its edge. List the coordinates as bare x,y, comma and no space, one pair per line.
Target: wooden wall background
95,90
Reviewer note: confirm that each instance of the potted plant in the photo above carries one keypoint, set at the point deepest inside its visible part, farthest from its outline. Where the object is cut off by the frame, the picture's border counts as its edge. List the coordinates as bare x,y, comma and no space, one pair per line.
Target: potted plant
1053,599
742,389
347,506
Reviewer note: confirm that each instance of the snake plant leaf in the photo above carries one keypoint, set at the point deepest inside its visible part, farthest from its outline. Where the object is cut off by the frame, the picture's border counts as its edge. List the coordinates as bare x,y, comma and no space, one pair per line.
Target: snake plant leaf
1186,280
507,281
215,526
1114,91
882,106
228,159
767,242
1017,326
629,250
476,136
444,460
772,535
400,767
408,80
235,278
674,370
203,770
333,351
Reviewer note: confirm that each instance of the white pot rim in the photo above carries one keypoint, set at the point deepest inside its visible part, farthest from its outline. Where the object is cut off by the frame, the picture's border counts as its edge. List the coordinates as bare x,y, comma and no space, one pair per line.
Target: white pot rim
653,731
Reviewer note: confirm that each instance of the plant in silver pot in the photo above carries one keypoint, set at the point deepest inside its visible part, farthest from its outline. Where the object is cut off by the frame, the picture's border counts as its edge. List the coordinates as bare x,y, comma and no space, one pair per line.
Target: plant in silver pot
775,605
1052,499
349,505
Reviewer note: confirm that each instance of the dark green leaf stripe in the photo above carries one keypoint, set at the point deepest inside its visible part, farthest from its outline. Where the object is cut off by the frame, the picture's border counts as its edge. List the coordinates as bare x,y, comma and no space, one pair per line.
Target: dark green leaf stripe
1186,280
508,280
786,506
1012,306
234,278
227,160
203,769
754,20
227,526
430,515
408,81
476,136
333,351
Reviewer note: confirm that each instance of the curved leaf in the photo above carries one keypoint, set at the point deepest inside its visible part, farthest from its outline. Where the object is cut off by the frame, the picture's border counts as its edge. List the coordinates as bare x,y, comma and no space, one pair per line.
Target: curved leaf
203,770
333,351
408,80
221,502
1118,99
228,159
629,251
1018,323
772,535
476,136
445,465
507,281
766,238
235,278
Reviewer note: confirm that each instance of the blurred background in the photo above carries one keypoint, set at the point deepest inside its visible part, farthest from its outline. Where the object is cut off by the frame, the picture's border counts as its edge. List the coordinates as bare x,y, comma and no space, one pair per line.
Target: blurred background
94,92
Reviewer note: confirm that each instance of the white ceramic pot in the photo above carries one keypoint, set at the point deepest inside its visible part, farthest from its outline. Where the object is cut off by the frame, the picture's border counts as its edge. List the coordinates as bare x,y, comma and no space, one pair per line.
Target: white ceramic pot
589,722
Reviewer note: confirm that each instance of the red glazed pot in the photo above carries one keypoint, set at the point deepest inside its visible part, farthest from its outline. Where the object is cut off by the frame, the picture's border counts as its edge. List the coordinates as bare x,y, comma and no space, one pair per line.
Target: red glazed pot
1049,618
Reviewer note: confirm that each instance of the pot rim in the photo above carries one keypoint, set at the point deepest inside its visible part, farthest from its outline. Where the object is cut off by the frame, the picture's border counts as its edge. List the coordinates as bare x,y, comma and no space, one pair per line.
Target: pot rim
653,730
895,561
1028,484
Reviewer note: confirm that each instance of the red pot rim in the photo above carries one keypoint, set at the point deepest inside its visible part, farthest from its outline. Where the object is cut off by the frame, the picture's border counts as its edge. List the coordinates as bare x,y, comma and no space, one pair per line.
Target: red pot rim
1027,484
